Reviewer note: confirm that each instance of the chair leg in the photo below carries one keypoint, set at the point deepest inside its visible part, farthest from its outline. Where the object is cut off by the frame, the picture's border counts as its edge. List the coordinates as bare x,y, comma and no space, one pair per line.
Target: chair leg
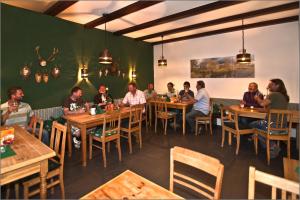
229,138
237,144
108,147
210,126
166,125
7,191
103,153
175,123
196,128
205,126
119,149
155,125
256,144
17,191
91,146
268,150
289,148
129,143
223,137
140,138
62,185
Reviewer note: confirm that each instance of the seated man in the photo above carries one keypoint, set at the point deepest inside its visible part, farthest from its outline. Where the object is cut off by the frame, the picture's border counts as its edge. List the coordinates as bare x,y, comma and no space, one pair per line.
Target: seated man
200,107
14,111
102,98
133,96
249,100
183,94
74,105
172,92
150,92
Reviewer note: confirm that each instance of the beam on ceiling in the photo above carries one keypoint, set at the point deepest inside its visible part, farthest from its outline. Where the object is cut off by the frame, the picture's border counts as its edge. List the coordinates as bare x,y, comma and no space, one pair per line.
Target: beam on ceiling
134,7
232,29
58,7
180,15
256,13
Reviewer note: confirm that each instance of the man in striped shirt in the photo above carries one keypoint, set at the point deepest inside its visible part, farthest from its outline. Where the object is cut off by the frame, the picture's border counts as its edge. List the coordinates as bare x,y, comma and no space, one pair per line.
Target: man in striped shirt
15,112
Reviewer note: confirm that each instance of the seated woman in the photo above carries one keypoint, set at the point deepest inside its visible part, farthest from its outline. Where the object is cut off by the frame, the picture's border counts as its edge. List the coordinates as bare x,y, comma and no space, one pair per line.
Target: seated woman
102,98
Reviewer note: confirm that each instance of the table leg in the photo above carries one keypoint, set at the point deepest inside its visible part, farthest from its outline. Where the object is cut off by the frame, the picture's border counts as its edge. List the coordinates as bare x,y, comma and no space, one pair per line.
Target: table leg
83,144
183,120
297,135
43,177
69,135
150,115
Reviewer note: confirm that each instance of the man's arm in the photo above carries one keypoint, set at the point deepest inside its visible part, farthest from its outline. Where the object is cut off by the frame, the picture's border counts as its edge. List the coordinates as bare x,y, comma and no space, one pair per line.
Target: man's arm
5,116
262,102
68,112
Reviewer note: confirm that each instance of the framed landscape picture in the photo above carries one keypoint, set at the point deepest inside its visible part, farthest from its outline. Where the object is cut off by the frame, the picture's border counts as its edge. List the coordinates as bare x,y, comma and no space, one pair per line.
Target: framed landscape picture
223,67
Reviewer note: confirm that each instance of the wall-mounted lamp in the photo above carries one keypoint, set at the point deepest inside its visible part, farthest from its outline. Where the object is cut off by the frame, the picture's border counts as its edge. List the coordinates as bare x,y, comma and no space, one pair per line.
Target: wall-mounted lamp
133,75
84,73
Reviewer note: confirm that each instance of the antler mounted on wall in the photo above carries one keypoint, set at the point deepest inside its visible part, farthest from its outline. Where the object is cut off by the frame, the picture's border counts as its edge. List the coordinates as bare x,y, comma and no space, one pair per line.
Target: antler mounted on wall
42,61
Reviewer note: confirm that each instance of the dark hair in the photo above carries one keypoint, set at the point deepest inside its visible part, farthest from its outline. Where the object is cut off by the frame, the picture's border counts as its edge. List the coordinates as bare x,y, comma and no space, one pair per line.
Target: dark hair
13,90
256,85
187,83
201,83
281,88
75,89
170,83
133,84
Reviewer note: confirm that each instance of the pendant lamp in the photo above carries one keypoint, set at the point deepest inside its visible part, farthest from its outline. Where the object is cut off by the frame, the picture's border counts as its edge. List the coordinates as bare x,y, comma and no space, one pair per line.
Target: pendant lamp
162,62
243,57
105,56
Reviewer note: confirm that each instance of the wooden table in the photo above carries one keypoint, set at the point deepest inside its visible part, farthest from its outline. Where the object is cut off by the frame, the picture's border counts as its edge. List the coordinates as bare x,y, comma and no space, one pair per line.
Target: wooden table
31,157
83,122
289,167
181,106
129,185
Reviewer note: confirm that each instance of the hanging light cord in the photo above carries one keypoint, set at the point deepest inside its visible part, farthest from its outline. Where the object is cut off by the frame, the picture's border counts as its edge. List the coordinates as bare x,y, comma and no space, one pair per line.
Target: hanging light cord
162,46
243,34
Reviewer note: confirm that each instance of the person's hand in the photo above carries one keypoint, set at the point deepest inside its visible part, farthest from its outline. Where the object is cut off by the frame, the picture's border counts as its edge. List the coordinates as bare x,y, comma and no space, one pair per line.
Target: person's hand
12,108
81,110
256,98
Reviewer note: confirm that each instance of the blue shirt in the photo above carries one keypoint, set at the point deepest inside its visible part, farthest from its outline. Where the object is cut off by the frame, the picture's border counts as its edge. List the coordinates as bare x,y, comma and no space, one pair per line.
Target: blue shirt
202,103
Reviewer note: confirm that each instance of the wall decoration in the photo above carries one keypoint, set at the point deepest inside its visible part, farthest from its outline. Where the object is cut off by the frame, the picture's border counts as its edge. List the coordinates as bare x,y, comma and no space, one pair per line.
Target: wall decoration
223,67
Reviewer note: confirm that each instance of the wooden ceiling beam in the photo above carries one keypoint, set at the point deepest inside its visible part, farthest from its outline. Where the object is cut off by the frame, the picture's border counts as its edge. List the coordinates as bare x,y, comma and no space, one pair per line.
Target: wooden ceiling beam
58,7
251,14
180,15
134,7
232,29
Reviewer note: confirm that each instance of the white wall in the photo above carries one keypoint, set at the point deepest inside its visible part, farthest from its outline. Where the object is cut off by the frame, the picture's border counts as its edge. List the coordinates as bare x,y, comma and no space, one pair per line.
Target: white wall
276,51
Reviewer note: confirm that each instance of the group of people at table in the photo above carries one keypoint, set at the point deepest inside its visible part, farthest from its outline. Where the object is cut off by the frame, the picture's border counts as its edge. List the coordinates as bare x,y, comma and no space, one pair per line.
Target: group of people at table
14,111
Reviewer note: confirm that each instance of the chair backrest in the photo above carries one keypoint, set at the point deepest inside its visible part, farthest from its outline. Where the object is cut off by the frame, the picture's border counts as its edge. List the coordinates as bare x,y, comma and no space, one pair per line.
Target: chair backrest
58,140
135,117
160,106
40,128
278,120
227,114
112,123
276,182
202,162
211,107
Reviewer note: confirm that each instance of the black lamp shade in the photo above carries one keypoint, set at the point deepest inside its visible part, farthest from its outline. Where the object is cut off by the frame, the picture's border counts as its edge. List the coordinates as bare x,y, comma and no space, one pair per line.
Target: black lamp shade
162,62
84,73
243,57
105,57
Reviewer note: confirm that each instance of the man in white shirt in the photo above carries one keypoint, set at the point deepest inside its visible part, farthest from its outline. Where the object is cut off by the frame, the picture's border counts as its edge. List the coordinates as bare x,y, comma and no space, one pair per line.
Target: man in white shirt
133,96
200,107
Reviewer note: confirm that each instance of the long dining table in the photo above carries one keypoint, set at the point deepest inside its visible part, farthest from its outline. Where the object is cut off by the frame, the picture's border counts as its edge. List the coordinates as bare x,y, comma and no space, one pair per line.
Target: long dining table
31,156
177,105
83,122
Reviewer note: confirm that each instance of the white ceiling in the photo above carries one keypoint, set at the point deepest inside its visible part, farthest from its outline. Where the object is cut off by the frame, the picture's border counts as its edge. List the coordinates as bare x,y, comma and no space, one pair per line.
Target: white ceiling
83,12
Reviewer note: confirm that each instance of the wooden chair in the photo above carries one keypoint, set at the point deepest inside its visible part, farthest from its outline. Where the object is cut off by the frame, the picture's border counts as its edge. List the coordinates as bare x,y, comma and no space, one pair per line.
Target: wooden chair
36,122
161,112
202,162
55,165
230,123
279,128
134,126
110,132
276,182
205,119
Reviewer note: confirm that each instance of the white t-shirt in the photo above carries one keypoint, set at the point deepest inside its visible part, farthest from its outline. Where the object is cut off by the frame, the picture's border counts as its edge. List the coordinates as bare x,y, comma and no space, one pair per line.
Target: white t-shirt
138,98
202,103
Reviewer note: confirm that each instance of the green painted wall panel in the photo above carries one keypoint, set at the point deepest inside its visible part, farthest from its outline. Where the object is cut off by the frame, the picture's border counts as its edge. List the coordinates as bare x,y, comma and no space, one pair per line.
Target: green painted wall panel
23,30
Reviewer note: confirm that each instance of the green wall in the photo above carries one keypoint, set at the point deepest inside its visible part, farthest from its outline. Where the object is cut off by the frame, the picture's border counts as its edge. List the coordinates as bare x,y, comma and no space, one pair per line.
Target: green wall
23,30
